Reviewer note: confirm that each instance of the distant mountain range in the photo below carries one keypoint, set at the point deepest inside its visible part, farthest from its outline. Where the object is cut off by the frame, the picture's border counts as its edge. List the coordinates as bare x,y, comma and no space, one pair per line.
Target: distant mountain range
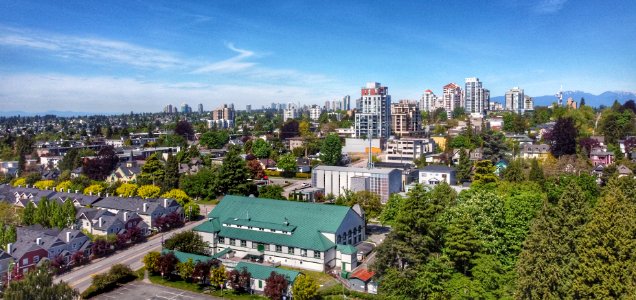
606,98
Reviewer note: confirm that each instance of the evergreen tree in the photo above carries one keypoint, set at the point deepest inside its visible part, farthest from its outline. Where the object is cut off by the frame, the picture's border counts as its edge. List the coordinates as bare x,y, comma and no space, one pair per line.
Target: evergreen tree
152,172
417,233
548,260
607,264
28,215
56,218
514,172
484,172
331,150
464,166
233,175
43,213
171,173
536,172
462,242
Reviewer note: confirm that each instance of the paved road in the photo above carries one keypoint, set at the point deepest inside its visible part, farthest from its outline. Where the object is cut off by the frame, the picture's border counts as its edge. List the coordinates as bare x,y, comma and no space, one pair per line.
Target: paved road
81,278
141,291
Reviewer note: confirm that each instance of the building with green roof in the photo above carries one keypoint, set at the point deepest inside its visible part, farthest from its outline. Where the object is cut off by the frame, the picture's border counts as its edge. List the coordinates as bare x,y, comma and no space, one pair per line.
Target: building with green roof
260,273
295,234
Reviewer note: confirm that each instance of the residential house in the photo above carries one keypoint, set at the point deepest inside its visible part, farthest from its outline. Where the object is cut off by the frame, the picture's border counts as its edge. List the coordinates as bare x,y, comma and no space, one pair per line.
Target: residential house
5,261
104,222
436,174
623,170
540,151
295,142
294,234
267,164
126,172
260,273
407,150
303,164
476,154
35,243
362,280
148,209
600,156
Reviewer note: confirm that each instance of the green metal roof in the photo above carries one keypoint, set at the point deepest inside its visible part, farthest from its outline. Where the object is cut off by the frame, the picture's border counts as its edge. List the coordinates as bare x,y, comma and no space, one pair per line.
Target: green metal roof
259,224
263,272
184,256
309,219
346,249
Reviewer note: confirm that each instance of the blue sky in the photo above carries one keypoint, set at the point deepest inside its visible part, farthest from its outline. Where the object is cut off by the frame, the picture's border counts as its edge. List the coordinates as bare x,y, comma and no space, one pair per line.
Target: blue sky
118,56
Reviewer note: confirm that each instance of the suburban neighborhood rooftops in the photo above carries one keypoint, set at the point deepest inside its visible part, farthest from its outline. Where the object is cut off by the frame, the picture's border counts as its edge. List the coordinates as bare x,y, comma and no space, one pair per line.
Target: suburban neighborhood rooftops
353,169
438,169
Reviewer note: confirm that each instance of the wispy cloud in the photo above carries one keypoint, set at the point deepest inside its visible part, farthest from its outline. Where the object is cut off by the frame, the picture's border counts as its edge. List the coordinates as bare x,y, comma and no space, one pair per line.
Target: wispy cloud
92,49
548,6
112,94
231,65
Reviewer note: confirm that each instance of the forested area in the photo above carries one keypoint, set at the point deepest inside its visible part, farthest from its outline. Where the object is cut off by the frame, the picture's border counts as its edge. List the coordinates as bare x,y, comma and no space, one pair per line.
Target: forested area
559,238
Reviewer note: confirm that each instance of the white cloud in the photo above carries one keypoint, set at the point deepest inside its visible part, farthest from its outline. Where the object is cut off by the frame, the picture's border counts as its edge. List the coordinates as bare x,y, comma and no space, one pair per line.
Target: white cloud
110,94
231,65
90,49
549,6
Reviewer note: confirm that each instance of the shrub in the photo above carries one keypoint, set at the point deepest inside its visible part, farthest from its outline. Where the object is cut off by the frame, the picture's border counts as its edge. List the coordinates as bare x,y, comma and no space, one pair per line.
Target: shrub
117,275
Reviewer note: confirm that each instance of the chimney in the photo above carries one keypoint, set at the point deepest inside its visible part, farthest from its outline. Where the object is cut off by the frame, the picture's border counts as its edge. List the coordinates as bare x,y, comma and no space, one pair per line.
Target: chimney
125,216
68,191
145,207
54,188
90,193
165,203
76,191
100,222
68,236
106,194
9,246
38,241
99,194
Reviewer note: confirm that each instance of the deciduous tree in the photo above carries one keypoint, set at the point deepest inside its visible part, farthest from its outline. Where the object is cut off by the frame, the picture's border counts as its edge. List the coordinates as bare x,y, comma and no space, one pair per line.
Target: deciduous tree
331,150
275,286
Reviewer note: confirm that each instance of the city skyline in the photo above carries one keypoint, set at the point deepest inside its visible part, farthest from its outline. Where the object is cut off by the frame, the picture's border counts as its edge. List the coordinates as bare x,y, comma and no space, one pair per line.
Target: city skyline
123,56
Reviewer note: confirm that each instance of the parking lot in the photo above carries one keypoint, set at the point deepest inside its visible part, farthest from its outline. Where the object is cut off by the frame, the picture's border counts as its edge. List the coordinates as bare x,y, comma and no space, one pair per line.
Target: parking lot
142,291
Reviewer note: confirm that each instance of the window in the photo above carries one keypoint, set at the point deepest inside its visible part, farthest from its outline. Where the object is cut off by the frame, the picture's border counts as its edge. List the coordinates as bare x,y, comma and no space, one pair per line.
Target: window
261,229
279,248
303,252
232,242
36,259
249,227
290,250
25,261
243,243
254,245
272,230
316,254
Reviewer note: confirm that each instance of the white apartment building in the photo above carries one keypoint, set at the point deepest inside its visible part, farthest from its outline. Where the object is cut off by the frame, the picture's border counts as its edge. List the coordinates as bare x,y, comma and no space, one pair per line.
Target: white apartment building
430,102
476,98
515,100
374,116
406,150
314,112
290,112
452,98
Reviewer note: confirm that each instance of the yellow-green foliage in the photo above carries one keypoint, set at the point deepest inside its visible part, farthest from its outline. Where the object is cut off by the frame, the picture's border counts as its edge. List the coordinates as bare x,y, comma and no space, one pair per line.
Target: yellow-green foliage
19,182
148,191
44,184
93,189
63,186
126,190
178,195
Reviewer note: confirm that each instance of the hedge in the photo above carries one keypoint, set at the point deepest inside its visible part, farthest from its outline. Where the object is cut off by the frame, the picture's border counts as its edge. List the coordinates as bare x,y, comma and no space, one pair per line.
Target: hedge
102,283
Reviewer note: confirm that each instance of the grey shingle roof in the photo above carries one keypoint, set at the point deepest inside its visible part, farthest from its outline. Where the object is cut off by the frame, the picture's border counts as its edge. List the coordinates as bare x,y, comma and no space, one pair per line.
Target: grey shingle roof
438,169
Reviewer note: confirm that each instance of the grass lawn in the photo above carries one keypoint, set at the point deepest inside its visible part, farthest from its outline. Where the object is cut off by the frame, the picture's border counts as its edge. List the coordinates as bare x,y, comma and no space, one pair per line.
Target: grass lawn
322,279
196,288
